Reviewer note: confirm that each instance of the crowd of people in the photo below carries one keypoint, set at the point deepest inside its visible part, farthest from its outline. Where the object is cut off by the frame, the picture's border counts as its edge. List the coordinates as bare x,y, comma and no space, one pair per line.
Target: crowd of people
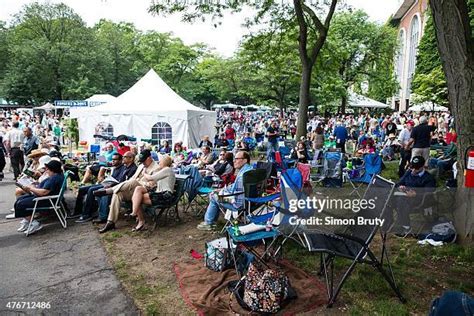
144,174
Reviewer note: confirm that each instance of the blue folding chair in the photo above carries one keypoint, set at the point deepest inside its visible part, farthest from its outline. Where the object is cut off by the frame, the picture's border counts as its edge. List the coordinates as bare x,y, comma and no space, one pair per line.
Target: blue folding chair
371,166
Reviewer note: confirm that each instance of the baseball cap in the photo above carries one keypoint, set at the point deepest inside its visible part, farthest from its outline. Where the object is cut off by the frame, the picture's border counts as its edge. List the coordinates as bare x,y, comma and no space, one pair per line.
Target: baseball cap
417,162
54,166
144,154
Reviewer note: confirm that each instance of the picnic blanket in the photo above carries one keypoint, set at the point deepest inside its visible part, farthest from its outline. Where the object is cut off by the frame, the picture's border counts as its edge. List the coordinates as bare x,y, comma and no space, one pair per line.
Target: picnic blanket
206,291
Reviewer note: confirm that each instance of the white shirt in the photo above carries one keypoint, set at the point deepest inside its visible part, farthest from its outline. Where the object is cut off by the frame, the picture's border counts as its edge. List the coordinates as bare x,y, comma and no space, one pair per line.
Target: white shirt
15,137
404,136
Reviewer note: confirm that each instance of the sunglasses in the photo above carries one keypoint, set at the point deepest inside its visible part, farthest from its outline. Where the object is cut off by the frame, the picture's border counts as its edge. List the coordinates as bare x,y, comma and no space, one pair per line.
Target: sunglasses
239,158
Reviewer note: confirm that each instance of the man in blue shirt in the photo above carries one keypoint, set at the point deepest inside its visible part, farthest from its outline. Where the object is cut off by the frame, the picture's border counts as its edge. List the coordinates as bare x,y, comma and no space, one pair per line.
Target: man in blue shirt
414,183
88,191
340,132
241,163
25,203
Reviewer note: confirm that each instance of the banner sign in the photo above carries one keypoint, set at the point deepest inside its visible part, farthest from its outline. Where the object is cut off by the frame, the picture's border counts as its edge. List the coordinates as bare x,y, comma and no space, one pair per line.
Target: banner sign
71,103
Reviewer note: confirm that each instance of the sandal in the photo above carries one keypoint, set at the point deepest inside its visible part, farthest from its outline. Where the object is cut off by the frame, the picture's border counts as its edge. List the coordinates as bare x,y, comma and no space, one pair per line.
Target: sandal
137,229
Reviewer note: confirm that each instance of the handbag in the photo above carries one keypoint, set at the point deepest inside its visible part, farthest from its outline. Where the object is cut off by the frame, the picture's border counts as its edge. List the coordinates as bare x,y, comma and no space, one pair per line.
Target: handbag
265,290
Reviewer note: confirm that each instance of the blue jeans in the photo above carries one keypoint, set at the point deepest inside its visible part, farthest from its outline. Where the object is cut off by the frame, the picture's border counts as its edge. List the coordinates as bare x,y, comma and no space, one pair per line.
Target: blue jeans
272,147
88,207
104,202
212,212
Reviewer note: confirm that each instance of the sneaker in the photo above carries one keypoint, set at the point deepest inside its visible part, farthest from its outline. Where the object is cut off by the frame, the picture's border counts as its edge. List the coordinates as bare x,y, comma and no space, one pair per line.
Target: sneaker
84,219
205,226
23,225
12,210
35,226
10,216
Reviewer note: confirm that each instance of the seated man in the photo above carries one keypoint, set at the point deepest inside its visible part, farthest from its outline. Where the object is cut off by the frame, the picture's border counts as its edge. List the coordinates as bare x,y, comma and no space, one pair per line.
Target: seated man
50,186
411,186
206,158
221,141
124,191
121,172
446,161
241,163
249,142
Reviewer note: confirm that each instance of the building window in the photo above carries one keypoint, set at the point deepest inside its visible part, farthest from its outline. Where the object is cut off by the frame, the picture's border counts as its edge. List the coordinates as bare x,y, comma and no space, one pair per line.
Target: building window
161,131
414,36
400,56
104,129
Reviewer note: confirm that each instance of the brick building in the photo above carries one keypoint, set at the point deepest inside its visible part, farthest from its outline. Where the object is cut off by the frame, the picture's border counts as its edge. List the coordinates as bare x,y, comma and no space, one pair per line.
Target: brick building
410,19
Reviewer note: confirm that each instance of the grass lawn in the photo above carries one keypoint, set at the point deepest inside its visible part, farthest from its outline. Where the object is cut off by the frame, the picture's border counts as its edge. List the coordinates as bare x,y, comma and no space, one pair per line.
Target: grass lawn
144,264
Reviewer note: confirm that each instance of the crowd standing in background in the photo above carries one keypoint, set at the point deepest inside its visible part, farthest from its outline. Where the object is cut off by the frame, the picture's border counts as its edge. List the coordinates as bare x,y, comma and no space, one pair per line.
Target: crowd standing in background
138,172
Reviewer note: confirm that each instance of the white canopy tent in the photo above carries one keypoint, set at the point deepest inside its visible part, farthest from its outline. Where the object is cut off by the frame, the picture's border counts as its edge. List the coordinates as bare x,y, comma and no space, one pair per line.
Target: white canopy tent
150,109
360,101
98,99
46,107
428,107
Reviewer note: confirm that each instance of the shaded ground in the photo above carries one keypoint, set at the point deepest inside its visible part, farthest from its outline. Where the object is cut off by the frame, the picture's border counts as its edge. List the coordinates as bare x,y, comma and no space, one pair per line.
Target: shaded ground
144,262
68,268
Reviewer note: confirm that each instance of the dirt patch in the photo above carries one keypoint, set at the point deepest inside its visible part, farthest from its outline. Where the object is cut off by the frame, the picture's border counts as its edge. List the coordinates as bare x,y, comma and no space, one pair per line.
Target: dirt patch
144,263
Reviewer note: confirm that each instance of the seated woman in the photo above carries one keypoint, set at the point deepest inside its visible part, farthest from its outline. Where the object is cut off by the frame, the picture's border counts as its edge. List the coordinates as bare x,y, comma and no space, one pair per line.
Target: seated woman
50,186
223,165
300,153
178,154
205,142
94,169
390,146
165,147
165,180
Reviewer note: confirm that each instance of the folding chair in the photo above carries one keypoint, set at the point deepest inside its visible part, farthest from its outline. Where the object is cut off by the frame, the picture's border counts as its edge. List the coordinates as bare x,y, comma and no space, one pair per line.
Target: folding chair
354,242
371,165
254,182
331,175
278,217
305,170
57,204
192,186
171,207
271,175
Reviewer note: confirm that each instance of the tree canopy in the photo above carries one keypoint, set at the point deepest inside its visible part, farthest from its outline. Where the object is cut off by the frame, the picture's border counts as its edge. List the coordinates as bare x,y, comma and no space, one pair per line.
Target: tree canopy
47,53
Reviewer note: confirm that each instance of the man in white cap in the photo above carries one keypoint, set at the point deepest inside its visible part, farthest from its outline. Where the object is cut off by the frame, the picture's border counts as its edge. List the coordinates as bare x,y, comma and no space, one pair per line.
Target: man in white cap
420,138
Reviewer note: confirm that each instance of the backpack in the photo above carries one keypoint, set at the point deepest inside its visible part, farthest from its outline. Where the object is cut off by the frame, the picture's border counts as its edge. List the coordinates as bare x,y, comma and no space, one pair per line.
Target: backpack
441,232
265,289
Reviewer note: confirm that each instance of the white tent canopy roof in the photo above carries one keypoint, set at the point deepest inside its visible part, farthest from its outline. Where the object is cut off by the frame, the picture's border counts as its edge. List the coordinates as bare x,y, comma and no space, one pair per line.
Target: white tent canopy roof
428,107
47,106
101,98
148,109
360,101
141,96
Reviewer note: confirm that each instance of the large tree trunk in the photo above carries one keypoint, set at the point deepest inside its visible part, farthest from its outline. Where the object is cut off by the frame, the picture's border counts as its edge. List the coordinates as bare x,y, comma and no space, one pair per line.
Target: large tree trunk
456,49
343,104
304,101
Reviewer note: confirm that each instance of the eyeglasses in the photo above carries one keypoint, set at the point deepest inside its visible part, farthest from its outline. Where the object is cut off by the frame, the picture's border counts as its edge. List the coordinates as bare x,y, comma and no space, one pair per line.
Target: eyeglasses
127,157
238,158
115,159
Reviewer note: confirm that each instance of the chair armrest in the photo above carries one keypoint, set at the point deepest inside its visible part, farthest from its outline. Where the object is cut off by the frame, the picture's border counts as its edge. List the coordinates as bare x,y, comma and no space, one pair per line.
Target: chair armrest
48,197
231,194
